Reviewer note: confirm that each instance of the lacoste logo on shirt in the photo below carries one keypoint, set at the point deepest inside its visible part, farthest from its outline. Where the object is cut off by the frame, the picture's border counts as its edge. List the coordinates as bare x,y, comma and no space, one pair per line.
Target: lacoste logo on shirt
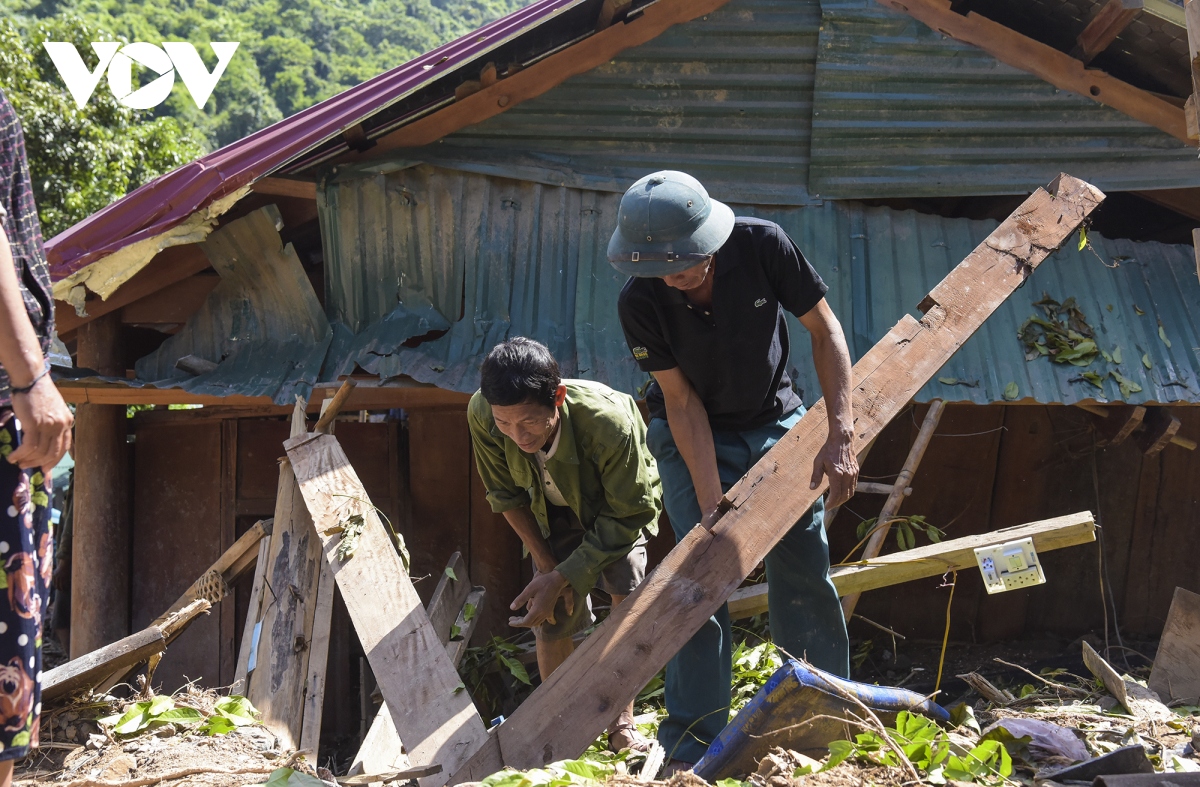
640,353
761,302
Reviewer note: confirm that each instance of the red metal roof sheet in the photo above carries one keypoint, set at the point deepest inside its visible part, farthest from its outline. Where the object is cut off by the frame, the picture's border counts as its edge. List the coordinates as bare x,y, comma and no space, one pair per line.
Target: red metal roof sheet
169,199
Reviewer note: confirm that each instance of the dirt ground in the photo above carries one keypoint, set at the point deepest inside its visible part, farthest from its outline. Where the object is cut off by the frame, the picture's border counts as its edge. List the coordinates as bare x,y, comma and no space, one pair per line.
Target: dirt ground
75,748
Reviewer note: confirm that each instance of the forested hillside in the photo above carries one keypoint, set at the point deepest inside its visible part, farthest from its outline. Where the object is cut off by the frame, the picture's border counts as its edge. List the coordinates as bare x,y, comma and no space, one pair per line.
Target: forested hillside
292,54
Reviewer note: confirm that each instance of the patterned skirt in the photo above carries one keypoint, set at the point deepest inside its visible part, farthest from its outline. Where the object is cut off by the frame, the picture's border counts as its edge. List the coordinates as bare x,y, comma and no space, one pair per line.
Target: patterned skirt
27,554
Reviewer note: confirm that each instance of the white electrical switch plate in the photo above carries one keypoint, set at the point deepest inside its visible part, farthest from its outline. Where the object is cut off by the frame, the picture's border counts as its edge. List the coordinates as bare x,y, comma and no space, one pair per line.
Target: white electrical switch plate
1009,566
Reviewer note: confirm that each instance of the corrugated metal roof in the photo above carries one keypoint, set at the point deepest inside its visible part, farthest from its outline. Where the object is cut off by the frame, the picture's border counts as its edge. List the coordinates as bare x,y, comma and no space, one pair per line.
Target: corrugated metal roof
173,197
263,325
529,259
727,97
900,110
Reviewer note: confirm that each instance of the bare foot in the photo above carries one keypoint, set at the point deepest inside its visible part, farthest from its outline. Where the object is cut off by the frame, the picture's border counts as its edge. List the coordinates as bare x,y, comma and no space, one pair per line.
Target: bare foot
626,736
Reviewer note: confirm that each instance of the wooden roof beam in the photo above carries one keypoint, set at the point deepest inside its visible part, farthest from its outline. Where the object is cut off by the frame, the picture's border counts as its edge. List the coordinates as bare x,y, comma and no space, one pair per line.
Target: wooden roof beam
171,266
1104,28
368,394
1047,63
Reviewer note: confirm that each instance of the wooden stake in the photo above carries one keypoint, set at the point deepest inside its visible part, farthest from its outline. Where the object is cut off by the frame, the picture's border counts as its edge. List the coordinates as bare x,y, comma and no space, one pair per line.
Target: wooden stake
570,709
335,406
891,507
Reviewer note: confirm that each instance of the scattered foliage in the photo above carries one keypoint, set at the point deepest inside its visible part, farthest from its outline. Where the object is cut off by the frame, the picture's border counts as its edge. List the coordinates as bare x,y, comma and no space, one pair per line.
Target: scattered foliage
229,712
930,750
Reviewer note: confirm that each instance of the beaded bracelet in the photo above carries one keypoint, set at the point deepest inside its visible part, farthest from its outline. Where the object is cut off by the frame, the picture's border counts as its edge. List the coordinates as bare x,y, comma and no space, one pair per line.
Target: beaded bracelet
26,389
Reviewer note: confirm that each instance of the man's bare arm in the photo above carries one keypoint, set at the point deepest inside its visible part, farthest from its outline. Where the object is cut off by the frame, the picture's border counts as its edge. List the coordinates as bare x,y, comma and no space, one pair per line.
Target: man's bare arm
45,419
692,433
832,360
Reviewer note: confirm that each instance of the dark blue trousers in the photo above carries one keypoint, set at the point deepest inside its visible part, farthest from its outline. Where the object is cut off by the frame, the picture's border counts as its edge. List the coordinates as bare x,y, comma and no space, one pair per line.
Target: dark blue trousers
805,614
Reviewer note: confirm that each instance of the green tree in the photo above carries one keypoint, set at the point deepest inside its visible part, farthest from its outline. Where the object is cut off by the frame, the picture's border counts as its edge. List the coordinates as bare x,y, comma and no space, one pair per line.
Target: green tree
82,159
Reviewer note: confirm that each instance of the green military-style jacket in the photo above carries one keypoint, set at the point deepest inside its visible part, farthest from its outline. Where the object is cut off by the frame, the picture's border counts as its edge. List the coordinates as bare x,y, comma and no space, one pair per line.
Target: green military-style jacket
602,467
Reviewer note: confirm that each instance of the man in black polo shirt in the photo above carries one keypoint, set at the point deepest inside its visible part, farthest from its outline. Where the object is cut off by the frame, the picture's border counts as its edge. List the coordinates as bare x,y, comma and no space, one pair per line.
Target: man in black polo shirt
703,313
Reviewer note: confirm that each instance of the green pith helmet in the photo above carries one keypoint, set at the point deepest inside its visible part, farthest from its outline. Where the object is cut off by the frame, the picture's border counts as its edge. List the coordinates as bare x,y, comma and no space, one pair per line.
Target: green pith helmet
667,224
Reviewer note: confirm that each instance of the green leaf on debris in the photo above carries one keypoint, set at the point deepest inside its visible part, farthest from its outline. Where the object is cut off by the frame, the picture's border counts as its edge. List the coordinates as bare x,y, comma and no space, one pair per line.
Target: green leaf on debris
1127,386
1116,355
455,631
181,716
450,573
515,668
1146,360
1094,378
1011,391
963,715
1138,311
468,612
351,530
956,381
1082,238
287,777
1162,334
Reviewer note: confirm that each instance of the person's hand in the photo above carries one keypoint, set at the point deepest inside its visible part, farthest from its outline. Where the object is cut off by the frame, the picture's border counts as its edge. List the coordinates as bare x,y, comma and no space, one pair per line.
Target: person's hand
539,598
45,426
836,460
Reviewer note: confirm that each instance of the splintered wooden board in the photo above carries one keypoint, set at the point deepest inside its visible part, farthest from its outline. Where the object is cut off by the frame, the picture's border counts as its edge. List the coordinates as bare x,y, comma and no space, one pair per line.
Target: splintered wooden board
566,713
1176,672
431,712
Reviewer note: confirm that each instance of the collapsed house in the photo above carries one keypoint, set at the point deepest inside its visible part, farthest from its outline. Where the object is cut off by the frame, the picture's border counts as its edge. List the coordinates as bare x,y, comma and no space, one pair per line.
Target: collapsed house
396,232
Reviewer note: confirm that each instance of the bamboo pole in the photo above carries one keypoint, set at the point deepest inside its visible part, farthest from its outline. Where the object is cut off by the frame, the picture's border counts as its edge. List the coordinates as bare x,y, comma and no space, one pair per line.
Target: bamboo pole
903,482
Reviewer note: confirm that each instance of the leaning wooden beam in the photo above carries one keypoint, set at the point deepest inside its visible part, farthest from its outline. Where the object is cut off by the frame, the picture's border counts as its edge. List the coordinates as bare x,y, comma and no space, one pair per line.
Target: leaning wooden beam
930,561
213,585
1045,62
432,714
566,713
891,506
93,668
382,750
1104,28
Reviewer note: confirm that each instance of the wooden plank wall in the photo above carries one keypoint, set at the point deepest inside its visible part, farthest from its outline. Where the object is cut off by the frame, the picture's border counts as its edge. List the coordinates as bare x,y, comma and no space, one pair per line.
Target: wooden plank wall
1023,463
1008,465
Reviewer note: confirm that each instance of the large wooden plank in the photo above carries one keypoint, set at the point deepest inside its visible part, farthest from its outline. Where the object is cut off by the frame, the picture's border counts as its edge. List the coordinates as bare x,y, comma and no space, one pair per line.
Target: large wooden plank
431,713
570,709
86,671
382,750
1176,671
932,560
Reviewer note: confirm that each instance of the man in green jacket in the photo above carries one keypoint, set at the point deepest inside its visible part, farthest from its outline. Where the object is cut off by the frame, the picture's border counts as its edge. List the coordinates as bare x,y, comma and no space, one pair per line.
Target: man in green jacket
566,462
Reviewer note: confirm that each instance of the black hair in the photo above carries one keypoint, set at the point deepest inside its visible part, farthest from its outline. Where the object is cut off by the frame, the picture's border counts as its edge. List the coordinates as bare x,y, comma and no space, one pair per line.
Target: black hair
519,371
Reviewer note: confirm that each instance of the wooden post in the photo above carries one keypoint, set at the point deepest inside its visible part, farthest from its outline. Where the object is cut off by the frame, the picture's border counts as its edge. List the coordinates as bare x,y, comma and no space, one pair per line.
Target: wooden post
100,550
883,524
